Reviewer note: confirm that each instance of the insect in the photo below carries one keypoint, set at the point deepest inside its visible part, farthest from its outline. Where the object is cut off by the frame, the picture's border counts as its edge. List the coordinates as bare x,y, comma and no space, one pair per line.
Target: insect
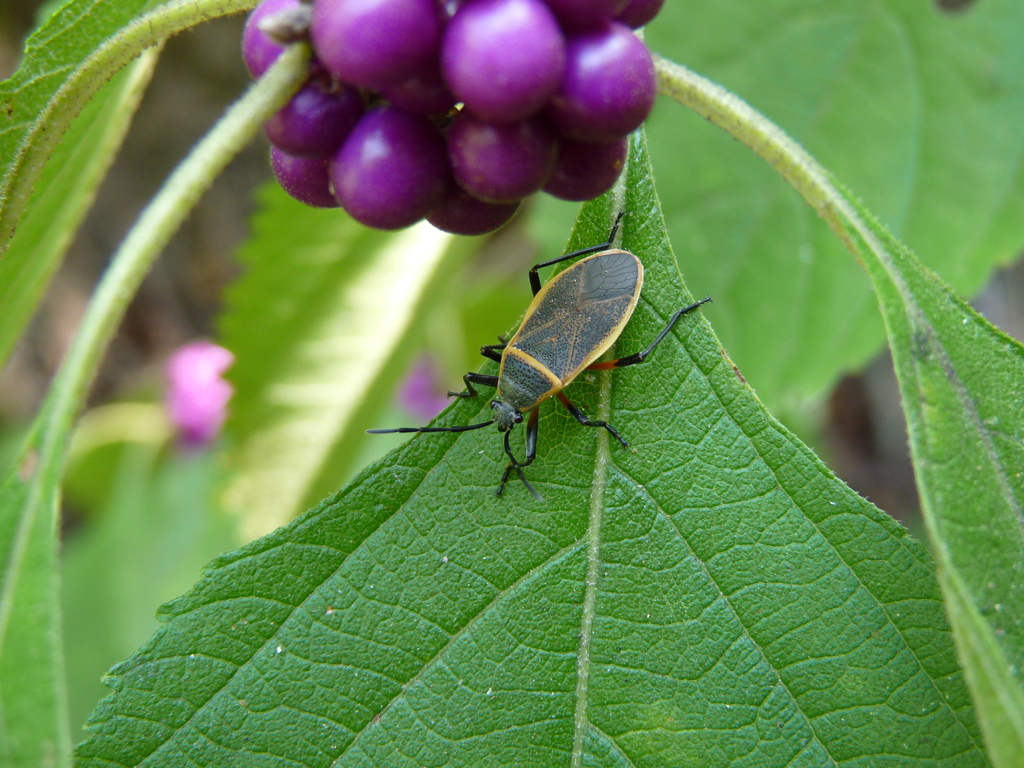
573,319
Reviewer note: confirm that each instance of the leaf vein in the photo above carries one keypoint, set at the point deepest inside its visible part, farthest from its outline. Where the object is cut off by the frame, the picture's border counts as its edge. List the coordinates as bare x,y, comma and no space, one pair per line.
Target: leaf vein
726,599
454,637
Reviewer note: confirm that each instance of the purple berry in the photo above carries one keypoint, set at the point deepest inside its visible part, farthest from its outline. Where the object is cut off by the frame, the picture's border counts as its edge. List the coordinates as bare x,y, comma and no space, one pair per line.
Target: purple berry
580,14
307,179
503,58
584,171
462,214
392,169
501,162
609,84
425,93
258,50
374,43
638,12
316,120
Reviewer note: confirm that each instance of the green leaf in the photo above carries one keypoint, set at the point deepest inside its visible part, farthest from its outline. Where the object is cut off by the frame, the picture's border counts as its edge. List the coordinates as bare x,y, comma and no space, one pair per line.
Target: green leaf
62,196
1001,703
33,695
33,724
52,55
320,326
961,381
920,111
711,596
67,60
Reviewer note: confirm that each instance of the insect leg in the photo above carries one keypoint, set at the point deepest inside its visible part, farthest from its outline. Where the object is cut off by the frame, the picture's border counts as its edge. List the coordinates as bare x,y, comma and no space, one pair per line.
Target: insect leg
493,351
581,417
531,454
535,278
472,378
639,357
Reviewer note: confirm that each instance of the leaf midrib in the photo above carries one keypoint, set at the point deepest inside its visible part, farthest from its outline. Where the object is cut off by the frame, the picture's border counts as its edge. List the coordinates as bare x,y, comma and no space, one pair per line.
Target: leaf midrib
920,322
592,538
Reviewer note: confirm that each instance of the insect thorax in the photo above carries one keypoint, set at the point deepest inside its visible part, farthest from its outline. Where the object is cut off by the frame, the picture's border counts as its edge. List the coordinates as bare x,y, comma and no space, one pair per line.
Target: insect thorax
523,382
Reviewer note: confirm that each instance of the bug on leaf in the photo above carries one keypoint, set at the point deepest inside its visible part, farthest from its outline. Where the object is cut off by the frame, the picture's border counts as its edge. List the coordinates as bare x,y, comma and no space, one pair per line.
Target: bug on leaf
573,319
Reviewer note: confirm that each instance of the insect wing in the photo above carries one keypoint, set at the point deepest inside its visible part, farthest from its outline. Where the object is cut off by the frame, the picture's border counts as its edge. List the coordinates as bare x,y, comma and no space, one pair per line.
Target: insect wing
580,312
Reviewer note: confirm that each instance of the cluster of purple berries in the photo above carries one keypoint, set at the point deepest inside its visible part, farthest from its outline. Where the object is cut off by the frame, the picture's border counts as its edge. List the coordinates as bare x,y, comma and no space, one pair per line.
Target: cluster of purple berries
455,110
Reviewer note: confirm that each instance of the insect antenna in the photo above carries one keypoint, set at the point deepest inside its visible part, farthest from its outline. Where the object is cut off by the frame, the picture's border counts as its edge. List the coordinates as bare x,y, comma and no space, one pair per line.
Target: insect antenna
430,429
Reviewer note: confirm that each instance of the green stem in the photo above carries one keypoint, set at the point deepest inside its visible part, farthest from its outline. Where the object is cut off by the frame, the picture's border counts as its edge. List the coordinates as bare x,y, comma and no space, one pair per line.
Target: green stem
751,128
51,124
147,238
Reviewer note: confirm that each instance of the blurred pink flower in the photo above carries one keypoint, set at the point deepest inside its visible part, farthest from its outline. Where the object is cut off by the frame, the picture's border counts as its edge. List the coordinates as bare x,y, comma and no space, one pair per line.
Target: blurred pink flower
420,393
197,395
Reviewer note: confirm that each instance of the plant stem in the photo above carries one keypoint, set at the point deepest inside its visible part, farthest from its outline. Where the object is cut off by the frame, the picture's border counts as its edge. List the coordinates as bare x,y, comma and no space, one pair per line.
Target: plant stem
147,238
748,126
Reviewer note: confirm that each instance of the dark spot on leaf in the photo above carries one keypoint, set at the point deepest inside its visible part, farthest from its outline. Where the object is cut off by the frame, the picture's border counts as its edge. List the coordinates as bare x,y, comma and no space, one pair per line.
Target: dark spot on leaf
954,6
735,369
